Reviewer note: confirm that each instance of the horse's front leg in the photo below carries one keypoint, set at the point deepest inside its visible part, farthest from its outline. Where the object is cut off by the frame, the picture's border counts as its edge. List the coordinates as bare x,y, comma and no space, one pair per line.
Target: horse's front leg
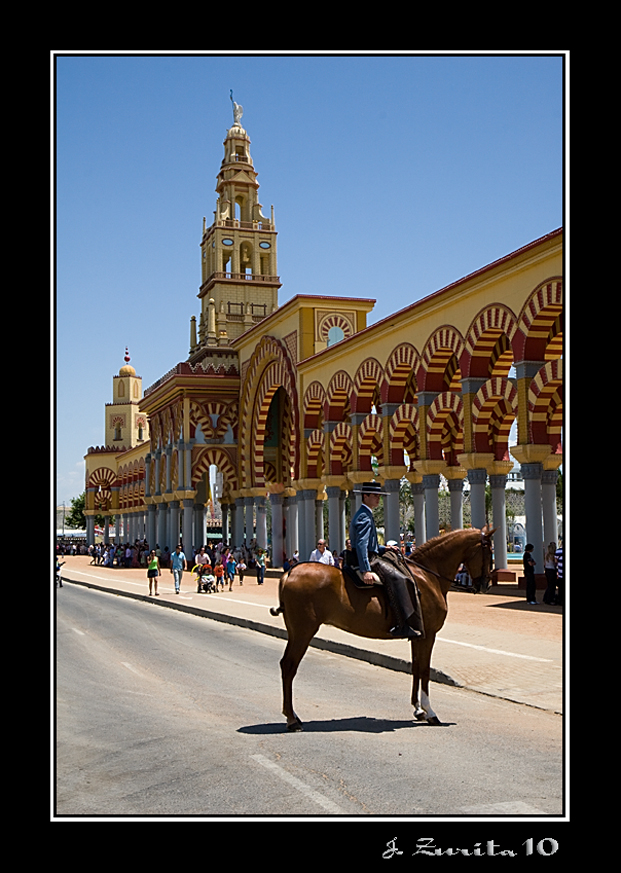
421,664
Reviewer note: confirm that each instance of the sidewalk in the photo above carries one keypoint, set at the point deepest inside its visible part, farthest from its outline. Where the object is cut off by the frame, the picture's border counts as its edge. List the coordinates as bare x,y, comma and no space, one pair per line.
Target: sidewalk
494,643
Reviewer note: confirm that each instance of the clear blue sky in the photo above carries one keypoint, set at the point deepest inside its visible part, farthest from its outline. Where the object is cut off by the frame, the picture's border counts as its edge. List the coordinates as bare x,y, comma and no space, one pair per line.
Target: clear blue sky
406,173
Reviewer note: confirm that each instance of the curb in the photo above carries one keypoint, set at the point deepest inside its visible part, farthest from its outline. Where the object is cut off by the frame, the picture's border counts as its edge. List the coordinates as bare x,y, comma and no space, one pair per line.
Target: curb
401,665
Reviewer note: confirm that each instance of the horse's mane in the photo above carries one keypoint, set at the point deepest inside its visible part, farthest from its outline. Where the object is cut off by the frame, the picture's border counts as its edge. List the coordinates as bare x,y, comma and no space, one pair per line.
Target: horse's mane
430,545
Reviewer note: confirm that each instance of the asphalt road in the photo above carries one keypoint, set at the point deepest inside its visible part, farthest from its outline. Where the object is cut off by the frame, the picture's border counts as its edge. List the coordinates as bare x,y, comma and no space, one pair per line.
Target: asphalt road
160,713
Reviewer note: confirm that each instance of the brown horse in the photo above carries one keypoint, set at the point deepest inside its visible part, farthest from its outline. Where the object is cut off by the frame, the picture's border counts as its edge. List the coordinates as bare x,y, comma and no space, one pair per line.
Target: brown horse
312,594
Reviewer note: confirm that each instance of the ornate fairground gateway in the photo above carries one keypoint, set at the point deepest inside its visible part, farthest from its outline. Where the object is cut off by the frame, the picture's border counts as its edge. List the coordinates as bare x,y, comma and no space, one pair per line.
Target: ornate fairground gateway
292,403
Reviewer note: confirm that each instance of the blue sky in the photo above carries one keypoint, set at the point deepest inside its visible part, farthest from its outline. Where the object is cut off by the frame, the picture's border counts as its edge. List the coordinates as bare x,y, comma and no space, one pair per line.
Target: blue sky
404,172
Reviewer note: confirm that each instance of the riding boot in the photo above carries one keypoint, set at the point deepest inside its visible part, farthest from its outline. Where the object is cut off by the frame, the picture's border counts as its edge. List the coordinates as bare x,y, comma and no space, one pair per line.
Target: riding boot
406,611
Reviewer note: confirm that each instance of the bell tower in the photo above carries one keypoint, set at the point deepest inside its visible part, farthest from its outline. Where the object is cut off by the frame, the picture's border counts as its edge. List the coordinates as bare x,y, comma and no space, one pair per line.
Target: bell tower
239,281
126,426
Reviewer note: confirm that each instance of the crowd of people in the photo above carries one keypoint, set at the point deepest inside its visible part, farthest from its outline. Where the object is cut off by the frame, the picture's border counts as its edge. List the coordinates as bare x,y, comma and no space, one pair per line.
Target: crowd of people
553,569
223,564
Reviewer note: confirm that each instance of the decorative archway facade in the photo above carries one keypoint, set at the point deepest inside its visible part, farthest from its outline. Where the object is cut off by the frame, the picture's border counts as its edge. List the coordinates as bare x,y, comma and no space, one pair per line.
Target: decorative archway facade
298,404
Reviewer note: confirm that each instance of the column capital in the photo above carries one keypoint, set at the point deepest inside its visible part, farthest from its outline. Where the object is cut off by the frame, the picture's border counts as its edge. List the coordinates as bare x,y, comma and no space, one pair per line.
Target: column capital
392,485
430,467
530,453
549,477
532,471
476,460
356,477
392,472
477,476
335,482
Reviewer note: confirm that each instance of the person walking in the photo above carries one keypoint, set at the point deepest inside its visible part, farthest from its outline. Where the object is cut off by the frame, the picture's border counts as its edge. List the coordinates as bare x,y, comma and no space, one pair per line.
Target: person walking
260,567
231,565
153,571
529,574
322,555
177,566
549,568
559,575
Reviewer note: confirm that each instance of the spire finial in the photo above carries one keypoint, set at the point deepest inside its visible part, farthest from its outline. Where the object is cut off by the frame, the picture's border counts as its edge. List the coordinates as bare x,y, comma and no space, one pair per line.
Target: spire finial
238,110
127,357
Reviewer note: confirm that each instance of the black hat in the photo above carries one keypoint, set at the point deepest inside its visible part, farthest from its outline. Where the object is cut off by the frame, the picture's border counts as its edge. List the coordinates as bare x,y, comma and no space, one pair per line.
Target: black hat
372,488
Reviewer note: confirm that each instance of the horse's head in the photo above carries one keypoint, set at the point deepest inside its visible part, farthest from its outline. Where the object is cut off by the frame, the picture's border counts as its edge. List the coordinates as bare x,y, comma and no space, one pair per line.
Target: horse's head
480,563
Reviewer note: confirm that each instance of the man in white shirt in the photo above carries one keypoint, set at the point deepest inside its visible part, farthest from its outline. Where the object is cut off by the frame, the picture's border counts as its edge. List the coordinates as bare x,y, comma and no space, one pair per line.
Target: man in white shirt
322,555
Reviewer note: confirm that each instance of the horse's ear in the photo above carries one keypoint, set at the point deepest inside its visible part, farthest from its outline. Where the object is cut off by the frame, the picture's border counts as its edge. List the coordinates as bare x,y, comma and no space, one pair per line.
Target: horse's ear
488,531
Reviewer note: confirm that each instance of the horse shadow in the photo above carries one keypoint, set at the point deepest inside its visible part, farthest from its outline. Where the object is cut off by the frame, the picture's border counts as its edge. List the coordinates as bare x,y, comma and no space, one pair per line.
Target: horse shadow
360,724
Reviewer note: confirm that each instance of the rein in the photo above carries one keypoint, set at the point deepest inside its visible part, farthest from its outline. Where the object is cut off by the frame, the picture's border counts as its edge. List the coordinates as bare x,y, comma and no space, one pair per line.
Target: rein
427,570
485,545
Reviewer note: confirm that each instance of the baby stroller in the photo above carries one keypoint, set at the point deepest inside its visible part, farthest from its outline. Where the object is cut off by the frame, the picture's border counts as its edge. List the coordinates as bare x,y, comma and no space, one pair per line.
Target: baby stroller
205,580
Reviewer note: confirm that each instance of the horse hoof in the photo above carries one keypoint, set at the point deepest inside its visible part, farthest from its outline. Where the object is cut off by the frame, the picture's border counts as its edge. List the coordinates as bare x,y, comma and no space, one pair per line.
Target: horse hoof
295,726
434,720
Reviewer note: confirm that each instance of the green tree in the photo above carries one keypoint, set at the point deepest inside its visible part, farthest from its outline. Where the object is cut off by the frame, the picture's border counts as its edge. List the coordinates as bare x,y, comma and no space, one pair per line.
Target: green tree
76,519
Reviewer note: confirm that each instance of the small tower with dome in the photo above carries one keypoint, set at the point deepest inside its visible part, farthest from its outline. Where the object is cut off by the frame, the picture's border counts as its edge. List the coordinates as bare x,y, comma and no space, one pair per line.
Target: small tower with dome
126,425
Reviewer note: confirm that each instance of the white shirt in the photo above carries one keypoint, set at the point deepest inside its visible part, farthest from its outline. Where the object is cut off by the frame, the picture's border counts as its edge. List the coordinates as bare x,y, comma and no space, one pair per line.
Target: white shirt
325,558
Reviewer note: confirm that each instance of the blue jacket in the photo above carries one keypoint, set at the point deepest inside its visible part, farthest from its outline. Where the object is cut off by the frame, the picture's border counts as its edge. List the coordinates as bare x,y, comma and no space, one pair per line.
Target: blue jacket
363,536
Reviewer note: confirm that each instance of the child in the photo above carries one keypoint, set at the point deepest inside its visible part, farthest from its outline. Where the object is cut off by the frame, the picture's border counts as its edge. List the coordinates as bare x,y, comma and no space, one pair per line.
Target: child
219,573
230,569
241,567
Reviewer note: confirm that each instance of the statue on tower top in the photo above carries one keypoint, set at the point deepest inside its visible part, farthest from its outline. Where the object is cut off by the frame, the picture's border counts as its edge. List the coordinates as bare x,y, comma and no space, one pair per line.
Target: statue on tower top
238,110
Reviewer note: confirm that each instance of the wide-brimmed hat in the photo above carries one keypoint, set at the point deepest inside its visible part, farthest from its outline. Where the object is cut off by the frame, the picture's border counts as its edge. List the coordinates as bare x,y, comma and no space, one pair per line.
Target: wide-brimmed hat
372,488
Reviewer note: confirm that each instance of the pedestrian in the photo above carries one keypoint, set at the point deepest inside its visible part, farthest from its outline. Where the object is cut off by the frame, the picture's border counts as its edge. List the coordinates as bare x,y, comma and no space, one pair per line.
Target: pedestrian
231,564
260,567
347,555
219,574
153,571
559,575
177,566
321,554
202,557
529,574
241,569
549,568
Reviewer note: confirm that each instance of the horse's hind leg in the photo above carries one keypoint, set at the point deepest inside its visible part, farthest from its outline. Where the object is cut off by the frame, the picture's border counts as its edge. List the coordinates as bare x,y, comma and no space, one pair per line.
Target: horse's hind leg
294,652
421,665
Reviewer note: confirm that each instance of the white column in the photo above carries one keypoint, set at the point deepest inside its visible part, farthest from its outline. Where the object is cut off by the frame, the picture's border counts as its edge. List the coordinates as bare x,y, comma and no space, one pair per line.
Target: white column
278,543
261,522
532,473
431,483
477,479
498,485
549,479
418,496
334,519
392,525
456,489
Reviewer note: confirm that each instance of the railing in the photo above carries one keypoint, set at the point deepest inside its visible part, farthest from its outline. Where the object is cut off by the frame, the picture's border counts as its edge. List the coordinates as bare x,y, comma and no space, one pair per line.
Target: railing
242,277
245,225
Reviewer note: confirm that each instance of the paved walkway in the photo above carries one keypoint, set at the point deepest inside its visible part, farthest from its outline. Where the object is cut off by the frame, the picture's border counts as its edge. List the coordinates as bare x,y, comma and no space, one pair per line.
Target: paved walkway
494,643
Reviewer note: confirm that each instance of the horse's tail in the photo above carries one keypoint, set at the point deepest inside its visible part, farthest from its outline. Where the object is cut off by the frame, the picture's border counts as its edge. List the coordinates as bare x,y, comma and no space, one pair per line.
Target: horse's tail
280,608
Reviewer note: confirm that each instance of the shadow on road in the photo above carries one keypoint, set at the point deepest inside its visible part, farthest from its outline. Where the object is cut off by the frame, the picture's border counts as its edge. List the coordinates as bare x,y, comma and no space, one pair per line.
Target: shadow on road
362,724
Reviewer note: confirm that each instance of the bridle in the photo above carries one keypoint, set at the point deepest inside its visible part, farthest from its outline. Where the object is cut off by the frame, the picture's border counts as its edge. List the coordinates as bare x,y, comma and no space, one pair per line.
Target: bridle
482,582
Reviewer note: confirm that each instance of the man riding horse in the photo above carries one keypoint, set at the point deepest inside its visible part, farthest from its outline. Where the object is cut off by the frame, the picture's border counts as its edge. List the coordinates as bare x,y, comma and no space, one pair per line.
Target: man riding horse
379,564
